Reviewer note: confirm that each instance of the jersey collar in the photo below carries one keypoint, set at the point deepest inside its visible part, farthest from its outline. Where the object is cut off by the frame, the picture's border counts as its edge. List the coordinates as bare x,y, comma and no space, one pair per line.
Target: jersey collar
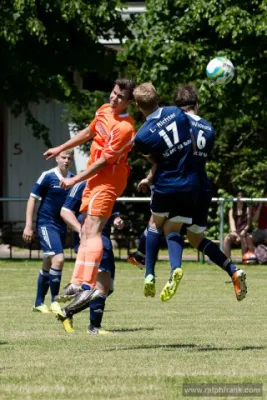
194,116
155,115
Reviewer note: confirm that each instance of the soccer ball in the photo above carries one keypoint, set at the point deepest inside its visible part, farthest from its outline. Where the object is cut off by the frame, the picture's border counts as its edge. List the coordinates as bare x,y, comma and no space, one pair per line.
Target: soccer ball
249,258
220,70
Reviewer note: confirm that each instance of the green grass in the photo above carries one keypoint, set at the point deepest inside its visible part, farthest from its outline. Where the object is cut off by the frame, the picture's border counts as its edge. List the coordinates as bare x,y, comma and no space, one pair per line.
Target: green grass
202,335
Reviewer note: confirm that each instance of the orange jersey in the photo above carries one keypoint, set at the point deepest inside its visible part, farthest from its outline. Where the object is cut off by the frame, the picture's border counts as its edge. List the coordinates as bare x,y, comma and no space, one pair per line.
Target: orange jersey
114,136
113,140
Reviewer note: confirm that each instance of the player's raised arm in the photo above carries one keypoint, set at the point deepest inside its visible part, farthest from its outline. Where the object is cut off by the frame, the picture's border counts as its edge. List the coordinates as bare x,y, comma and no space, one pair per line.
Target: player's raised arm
83,136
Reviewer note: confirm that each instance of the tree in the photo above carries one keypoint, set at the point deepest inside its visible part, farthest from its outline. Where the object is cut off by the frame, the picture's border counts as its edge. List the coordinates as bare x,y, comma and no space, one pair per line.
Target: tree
175,39
43,42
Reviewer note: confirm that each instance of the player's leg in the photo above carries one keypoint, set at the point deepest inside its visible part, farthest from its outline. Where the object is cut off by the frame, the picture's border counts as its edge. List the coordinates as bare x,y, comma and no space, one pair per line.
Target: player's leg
138,257
42,287
101,202
175,249
180,207
104,284
153,239
76,281
196,237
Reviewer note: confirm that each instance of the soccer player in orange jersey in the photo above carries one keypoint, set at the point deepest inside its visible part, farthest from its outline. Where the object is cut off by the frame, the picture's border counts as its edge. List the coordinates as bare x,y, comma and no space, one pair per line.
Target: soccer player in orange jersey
112,132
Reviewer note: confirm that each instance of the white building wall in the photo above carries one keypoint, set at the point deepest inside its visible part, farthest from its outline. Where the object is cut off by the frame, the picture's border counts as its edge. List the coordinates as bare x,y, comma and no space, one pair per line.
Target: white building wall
24,161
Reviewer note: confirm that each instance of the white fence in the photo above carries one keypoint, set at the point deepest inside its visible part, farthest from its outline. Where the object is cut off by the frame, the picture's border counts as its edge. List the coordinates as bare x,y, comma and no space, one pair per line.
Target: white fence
219,200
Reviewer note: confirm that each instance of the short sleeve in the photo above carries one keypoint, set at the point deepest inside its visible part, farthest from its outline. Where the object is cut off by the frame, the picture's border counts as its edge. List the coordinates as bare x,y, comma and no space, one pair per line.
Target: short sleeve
74,198
41,186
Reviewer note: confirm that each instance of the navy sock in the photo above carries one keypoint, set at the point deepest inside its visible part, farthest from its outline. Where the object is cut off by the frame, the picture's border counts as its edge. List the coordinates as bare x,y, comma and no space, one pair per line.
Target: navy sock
97,307
86,287
152,249
55,279
42,287
217,256
175,248
142,243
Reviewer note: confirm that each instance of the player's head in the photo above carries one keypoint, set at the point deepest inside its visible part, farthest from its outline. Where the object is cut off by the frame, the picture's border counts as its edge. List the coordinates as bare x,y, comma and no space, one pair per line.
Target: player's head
146,98
64,160
185,97
122,94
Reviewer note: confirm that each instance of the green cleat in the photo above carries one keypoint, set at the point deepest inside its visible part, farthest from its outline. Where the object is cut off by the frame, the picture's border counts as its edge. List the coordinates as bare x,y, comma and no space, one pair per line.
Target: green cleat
42,308
149,286
171,286
55,308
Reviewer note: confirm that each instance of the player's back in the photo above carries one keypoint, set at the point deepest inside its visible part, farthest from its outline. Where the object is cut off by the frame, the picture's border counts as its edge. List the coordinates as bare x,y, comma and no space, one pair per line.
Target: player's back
166,137
204,138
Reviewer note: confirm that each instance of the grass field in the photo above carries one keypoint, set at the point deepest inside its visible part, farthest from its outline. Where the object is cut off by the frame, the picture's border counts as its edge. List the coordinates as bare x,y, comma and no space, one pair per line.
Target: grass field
202,335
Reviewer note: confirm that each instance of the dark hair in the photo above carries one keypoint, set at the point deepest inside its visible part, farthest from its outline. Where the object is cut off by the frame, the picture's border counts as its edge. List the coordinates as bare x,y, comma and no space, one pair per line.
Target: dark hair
186,97
126,84
244,204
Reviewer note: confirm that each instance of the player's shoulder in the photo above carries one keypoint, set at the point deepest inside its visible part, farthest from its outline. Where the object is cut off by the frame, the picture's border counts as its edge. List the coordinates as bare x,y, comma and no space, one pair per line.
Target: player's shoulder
50,173
104,109
77,189
200,122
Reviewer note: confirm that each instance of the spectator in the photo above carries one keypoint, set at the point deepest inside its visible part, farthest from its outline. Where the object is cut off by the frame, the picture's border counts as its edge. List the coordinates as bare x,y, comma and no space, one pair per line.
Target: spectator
260,218
240,227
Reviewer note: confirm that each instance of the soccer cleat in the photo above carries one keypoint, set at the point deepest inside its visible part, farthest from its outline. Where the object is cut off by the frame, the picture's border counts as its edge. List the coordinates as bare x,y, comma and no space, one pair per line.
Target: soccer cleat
66,322
149,286
136,259
42,308
55,308
93,330
171,286
68,293
81,301
240,286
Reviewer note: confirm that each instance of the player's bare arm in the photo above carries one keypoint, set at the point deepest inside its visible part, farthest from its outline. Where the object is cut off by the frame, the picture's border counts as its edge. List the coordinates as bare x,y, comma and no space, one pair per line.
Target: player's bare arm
83,136
28,232
69,217
99,164
144,185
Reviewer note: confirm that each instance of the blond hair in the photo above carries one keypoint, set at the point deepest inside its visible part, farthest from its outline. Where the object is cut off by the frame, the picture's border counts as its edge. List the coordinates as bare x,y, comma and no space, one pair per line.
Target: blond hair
69,151
146,96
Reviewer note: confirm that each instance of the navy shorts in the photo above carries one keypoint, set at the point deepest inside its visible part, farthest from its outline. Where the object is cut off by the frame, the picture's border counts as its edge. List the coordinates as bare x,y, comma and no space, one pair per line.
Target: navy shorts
52,239
201,211
178,207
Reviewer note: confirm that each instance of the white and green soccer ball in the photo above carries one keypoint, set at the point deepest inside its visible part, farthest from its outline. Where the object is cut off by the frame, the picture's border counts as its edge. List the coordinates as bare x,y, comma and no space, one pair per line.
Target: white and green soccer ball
220,70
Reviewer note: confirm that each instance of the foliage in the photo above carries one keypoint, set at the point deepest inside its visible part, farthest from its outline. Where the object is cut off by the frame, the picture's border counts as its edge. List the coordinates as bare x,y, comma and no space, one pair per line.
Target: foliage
43,42
174,42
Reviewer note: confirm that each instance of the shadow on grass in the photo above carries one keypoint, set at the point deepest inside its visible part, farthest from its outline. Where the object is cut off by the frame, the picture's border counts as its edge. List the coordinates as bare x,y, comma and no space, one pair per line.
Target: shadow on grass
191,346
131,330
2,343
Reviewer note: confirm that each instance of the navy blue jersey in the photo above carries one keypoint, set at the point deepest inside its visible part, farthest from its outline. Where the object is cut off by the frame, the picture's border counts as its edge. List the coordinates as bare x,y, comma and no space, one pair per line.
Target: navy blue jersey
73,203
165,136
204,138
52,196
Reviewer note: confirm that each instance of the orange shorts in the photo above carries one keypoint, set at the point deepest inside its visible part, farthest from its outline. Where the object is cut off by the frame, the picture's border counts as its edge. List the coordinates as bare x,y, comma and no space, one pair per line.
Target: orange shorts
101,192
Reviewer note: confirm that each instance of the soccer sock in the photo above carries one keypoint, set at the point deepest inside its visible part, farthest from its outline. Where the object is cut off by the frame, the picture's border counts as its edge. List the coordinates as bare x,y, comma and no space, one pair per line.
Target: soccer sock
42,287
175,248
94,252
78,272
97,307
217,256
141,248
55,279
152,249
